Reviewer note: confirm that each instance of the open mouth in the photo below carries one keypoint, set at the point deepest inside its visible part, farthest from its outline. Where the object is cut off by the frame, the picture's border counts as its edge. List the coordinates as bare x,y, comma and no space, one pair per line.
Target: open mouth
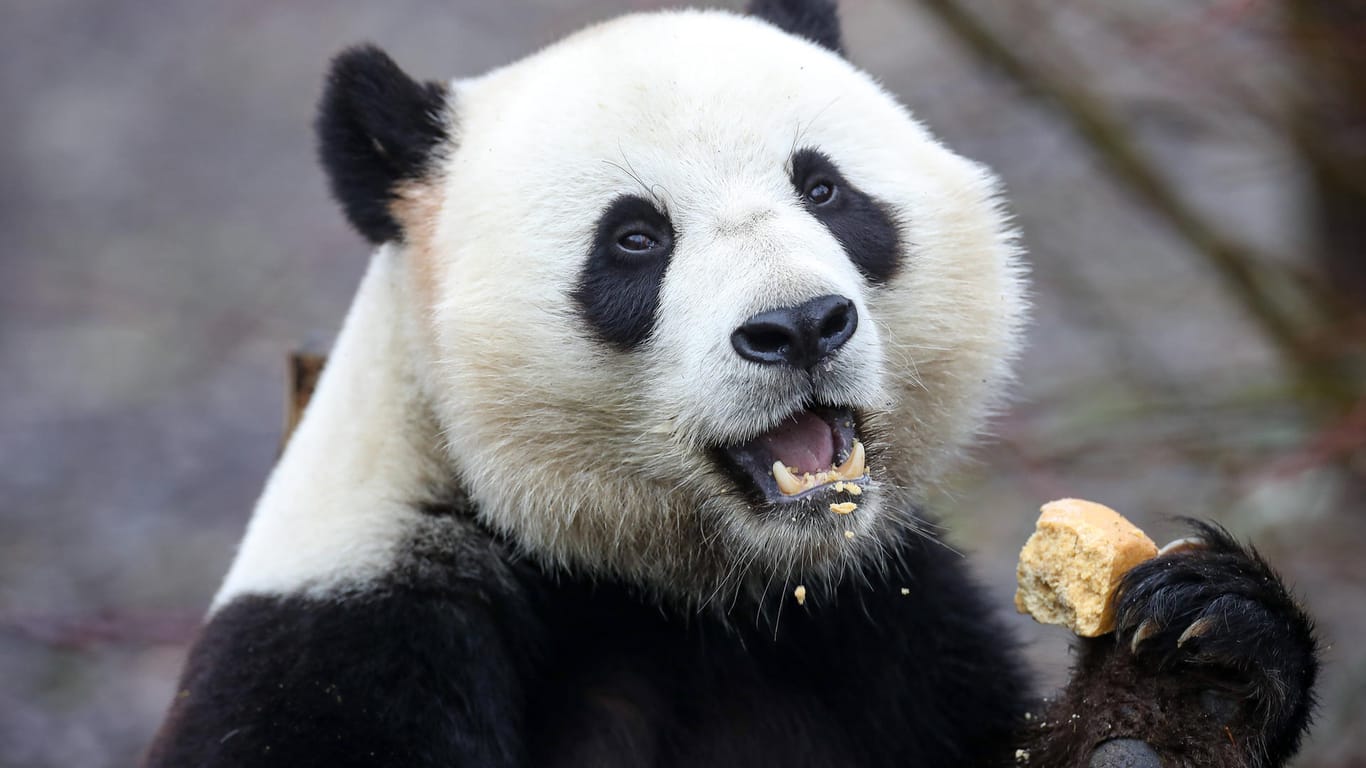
811,453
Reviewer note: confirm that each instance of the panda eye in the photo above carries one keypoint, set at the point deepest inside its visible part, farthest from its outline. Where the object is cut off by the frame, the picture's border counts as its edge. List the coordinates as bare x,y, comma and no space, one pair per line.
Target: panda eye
633,234
820,191
637,242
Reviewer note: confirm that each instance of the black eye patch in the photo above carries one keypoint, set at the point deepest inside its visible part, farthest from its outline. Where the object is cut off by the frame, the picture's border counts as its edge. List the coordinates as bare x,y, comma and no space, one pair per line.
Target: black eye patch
858,221
618,289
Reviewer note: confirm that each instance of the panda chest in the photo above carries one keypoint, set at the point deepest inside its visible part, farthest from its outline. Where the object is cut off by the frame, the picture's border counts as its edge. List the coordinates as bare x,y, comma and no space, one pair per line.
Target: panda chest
622,685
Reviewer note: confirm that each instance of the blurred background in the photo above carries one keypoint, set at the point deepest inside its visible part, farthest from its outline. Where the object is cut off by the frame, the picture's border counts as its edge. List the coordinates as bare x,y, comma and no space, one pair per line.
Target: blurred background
1190,177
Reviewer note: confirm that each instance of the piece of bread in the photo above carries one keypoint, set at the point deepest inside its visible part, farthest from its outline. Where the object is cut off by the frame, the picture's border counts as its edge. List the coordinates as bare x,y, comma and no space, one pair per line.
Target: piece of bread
1071,565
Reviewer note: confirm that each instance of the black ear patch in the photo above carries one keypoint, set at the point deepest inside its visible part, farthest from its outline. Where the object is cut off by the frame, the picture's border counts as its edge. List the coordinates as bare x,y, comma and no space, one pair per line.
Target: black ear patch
815,20
377,127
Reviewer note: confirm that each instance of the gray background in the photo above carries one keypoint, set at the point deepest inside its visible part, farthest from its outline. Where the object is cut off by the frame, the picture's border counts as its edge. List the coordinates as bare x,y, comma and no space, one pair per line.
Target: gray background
167,239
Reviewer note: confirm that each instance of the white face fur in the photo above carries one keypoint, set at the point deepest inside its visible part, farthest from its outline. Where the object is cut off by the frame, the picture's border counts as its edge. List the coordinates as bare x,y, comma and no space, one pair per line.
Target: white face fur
611,457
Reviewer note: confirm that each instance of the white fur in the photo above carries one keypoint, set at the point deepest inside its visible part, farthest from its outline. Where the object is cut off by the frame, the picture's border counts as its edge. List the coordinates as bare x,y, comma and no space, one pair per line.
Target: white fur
591,457
340,501
594,459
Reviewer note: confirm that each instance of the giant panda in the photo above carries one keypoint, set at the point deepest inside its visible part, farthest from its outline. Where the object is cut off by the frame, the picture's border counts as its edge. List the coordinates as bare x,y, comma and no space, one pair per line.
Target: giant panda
620,457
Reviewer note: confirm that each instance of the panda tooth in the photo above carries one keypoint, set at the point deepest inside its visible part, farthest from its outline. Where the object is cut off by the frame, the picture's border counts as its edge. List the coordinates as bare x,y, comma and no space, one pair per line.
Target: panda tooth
787,482
852,468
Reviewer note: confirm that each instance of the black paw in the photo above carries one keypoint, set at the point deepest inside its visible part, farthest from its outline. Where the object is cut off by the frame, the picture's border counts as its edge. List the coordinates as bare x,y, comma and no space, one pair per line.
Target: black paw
1213,616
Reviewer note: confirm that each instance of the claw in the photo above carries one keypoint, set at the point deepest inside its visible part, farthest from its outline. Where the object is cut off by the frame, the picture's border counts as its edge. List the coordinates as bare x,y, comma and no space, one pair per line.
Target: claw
1145,630
1197,628
1186,544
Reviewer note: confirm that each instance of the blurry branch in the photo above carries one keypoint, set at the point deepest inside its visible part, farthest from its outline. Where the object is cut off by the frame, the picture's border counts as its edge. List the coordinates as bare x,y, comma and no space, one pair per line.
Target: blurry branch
1330,52
305,366
1249,436
1253,281
1343,440
85,633
1329,130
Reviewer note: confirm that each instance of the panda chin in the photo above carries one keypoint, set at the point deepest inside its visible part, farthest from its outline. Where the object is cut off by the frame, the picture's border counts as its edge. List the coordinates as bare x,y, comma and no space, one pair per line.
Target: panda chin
811,461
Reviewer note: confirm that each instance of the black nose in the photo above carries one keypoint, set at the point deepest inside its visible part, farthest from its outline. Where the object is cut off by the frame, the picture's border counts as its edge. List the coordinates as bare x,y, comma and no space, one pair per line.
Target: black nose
799,336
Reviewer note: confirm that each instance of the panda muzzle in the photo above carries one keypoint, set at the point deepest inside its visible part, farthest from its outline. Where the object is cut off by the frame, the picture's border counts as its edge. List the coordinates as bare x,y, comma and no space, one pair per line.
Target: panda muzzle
810,451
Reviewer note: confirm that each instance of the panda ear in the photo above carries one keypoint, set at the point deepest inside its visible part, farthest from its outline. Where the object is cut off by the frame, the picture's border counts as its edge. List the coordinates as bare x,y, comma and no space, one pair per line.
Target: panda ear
815,20
377,128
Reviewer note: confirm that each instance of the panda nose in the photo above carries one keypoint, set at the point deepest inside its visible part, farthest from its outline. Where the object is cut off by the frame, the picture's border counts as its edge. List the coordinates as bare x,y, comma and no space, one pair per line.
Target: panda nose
799,336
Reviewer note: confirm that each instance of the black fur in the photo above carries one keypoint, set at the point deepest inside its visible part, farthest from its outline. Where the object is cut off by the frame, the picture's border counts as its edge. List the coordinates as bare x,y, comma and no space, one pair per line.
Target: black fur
376,128
425,670
815,20
468,655
443,666
364,681
617,291
859,222
1234,691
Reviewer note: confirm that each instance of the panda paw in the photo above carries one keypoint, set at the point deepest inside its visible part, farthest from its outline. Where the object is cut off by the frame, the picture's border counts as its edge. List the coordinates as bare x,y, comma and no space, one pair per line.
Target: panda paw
1212,663
1216,623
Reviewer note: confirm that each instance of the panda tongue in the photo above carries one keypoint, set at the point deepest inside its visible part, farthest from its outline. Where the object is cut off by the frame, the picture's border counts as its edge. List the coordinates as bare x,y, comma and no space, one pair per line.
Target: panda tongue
804,441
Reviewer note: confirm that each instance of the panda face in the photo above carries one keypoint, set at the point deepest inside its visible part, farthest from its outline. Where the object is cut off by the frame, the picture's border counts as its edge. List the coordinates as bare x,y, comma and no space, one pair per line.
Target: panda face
706,307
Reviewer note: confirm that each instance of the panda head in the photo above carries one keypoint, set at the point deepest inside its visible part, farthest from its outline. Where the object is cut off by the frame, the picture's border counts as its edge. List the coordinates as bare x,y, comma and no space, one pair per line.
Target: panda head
685,280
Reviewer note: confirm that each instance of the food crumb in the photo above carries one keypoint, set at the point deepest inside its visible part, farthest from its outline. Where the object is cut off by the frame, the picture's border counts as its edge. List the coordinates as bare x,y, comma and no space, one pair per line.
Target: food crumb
844,508
1021,755
848,534
905,591
800,594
